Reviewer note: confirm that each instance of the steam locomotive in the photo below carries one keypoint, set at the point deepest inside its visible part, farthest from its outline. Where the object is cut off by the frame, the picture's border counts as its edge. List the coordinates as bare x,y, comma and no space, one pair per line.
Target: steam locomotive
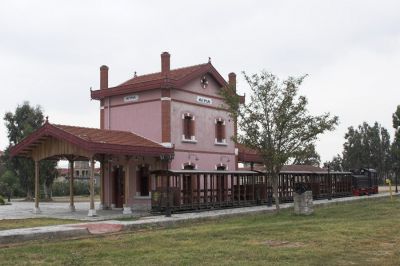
364,182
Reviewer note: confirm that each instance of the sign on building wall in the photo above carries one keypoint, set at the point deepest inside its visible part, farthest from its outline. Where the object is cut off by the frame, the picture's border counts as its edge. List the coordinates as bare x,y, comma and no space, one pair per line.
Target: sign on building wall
131,98
204,100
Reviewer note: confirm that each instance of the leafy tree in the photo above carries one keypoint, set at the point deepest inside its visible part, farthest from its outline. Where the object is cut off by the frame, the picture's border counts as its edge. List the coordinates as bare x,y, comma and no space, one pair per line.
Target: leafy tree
48,173
8,184
336,164
20,124
395,149
367,146
2,165
308,156
275,122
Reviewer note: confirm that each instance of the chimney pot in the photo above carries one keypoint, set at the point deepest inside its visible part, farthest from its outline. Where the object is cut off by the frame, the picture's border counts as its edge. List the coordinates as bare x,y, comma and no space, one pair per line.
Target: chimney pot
165,63
103,77
232,80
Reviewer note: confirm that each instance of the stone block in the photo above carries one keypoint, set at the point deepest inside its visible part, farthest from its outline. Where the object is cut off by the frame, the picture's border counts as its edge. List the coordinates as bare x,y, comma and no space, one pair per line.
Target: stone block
303,203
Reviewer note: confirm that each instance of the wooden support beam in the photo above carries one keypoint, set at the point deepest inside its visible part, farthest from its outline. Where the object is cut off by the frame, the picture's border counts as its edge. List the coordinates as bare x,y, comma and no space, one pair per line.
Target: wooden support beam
127,209
102,171
71,186
36,210
92,210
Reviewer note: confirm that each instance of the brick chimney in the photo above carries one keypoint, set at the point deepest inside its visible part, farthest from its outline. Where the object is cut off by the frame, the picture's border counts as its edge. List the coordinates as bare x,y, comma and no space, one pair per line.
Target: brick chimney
232,80
165,63
103,77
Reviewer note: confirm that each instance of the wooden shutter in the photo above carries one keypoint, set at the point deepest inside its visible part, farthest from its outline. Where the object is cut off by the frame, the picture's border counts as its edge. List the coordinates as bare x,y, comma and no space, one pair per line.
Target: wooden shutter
220,128
191,127
223,134
186,127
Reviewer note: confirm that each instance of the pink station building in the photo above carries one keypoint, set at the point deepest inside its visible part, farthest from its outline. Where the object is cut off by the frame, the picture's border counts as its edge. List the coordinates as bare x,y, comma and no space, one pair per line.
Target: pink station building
177,108
171,120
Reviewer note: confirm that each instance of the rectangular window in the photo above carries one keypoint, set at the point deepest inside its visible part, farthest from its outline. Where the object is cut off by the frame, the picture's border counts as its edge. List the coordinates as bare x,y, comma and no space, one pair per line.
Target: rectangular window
188,128
220,132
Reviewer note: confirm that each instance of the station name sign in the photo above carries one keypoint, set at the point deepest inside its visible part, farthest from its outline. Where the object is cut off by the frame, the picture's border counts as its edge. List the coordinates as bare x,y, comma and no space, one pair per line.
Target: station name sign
204,100
131,98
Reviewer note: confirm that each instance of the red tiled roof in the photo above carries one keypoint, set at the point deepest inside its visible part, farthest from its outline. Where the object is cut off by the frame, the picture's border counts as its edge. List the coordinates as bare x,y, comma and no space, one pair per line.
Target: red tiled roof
97,141
95,135
174,74
246,154
174,78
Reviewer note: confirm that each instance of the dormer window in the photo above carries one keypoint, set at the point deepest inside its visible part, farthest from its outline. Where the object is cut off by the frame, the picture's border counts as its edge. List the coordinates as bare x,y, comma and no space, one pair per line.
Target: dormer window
220,138
188,134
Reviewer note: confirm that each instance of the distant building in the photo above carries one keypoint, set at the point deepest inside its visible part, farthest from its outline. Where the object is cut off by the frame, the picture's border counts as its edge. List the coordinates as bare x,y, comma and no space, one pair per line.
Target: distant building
81,172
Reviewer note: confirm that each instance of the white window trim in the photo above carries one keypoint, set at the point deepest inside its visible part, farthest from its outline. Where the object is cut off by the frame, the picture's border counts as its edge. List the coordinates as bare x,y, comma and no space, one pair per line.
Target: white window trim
191,140
221,164
219,119
189,163
222,143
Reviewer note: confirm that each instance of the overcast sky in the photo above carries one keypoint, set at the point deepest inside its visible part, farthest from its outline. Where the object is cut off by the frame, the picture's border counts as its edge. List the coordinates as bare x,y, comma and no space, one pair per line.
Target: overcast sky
51,51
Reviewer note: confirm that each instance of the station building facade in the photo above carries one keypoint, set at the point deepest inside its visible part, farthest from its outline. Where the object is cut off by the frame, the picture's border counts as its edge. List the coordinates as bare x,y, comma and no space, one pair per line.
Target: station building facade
172,119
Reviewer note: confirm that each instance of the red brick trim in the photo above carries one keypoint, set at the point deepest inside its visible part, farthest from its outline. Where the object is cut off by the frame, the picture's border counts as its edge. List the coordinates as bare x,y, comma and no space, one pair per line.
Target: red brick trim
101,118
165,117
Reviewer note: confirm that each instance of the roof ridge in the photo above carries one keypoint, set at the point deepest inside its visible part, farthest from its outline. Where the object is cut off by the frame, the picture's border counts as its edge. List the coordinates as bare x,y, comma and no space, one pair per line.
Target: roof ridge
159,72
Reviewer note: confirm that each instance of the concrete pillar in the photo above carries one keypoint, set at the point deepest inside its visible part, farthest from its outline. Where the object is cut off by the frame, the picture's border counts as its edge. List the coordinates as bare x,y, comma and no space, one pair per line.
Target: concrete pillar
92,210
127,208
36,210
71,186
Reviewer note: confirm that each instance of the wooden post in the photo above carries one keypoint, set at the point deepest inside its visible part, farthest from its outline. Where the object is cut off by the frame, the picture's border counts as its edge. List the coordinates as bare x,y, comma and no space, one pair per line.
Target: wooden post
127,209
36,210
92,210
102,167
71,186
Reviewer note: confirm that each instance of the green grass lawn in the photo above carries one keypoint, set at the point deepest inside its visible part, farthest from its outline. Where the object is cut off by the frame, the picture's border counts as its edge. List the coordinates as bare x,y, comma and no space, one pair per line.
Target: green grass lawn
366,232
34,222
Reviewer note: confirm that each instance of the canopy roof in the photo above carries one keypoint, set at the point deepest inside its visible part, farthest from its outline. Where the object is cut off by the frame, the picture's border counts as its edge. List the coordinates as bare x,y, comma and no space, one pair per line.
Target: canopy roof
53,141
247,155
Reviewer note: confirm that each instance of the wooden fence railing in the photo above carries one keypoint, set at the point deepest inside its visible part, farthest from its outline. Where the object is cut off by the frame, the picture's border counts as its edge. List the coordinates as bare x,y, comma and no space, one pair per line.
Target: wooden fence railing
194,190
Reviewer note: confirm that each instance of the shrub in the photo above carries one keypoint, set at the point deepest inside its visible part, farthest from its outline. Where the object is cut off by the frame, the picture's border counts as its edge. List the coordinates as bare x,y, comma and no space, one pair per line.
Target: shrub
81,188
2,202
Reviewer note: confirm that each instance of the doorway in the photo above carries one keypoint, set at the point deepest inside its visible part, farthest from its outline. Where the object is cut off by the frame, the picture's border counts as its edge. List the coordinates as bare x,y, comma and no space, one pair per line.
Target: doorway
143,177
118,186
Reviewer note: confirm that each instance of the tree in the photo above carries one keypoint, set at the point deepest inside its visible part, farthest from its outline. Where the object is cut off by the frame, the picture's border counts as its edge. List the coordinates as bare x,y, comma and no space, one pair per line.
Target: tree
336,164
395,149
367,146
48,173
8,184
308,156
275,122
20,124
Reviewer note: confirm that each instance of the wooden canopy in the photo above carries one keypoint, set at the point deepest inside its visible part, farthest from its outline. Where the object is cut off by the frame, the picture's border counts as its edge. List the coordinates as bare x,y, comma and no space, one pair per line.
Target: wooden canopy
60,141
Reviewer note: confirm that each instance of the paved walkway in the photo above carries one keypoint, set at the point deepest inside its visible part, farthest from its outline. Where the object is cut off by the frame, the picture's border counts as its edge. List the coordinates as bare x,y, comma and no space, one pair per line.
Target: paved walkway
111,226
60,210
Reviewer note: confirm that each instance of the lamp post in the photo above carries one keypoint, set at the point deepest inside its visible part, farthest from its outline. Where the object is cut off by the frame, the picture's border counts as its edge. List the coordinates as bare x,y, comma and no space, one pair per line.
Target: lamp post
396,173
329,182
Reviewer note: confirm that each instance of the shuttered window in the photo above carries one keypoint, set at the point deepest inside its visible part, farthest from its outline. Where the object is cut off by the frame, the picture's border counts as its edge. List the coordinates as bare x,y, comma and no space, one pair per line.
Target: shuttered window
188,127
220,131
